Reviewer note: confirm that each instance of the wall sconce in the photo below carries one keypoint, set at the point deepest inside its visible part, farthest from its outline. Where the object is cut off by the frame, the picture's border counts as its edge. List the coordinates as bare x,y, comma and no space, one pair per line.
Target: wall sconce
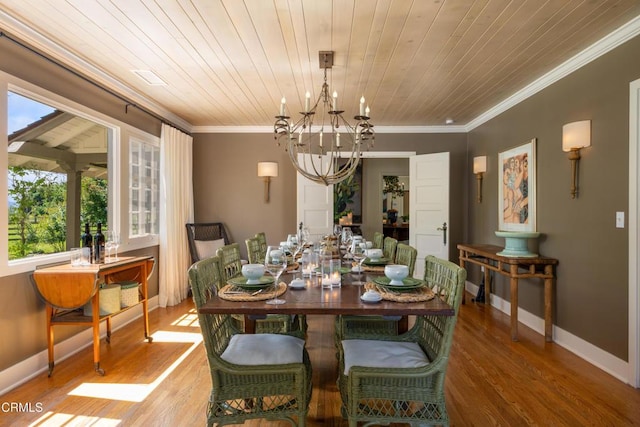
479,168
266,170
575,136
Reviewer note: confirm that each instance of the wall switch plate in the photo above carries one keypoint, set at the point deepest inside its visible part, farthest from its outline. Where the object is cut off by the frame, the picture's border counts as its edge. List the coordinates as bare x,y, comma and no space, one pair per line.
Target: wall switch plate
619,219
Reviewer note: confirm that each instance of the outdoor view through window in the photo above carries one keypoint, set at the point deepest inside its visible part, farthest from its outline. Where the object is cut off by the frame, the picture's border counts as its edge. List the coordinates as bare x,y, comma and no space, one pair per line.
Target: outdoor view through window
57,177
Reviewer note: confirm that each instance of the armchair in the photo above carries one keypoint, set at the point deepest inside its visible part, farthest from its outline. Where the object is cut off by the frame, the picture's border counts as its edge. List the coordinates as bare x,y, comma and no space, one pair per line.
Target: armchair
205,238
408,385
253,376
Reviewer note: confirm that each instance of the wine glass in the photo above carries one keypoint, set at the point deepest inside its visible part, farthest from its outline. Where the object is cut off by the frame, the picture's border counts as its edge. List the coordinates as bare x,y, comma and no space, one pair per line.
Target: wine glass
112,243
347,236
275,262
359,256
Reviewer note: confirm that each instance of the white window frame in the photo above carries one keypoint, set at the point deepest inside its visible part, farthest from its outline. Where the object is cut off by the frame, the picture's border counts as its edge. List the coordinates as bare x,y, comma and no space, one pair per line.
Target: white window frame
141,240
118,176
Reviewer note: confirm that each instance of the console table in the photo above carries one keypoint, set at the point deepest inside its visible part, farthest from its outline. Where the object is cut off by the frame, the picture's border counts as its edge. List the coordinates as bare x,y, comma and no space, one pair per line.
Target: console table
66,289
515,268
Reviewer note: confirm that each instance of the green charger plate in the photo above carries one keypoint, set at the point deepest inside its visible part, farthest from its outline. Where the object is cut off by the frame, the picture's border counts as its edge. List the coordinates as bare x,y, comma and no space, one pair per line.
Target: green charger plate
379,261
409,283
263,282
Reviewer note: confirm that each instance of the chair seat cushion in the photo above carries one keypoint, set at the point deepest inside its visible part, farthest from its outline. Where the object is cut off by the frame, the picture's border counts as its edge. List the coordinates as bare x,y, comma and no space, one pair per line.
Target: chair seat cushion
382,354
208,248
263,349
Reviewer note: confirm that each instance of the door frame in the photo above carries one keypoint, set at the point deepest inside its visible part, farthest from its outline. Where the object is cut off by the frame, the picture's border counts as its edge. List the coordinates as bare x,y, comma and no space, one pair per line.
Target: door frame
634,233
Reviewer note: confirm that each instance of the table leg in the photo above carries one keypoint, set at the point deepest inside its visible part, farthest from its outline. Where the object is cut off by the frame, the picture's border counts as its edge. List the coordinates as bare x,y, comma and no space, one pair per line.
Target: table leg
95,301
487,286
548,295
513,270
249,324
145,303
50,338
403,324
461,255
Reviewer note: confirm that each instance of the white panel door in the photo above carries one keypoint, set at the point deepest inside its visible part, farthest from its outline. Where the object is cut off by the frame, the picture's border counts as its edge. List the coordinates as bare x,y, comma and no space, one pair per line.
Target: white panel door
429,207
315,206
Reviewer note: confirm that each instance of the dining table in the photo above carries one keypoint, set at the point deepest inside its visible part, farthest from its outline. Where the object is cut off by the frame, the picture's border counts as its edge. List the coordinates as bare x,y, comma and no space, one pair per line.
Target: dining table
314,299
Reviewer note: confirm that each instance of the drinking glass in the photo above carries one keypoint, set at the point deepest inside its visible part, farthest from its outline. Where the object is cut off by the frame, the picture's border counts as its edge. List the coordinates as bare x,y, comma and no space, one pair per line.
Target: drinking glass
359,256
275,263
112,243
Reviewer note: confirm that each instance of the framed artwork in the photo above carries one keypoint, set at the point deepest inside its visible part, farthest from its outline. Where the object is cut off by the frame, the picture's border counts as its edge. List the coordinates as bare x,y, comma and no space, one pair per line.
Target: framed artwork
517,188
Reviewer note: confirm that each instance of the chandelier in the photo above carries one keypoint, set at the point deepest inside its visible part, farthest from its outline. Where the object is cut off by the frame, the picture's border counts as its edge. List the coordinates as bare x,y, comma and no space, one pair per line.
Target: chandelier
322,136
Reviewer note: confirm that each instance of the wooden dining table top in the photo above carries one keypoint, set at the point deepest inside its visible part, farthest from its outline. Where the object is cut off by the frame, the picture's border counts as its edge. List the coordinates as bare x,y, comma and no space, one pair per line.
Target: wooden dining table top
314,299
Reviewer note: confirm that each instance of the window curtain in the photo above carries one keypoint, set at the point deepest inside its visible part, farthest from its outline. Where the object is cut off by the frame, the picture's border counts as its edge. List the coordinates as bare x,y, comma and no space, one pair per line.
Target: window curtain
176,210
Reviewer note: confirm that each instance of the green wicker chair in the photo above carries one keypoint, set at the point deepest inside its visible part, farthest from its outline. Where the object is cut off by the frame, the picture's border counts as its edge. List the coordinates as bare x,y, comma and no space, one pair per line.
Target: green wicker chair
406,255
262,238
231,266
389,248
397,390
348,326
378,238
255,250
245,388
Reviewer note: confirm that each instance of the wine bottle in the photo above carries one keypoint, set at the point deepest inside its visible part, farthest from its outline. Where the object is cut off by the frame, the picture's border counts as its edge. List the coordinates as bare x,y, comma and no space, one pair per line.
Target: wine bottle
98,245
86,241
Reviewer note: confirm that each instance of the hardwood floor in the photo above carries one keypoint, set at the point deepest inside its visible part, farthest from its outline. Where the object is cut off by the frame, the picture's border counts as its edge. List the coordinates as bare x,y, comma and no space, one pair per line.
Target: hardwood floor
491,380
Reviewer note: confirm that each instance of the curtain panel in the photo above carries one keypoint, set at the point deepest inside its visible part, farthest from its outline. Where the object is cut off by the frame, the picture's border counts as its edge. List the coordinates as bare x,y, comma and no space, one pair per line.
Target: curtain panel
176,209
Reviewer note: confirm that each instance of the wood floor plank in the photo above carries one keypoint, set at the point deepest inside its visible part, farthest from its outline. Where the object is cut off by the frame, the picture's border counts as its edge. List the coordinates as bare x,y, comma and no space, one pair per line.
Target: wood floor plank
490,379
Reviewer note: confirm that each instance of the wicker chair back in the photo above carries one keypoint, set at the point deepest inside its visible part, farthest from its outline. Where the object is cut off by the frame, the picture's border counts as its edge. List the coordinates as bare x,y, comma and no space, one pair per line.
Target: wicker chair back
204,231
406,255
241,392
409,395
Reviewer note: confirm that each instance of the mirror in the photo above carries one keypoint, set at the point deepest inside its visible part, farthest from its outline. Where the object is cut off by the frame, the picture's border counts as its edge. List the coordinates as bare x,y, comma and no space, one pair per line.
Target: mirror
395,199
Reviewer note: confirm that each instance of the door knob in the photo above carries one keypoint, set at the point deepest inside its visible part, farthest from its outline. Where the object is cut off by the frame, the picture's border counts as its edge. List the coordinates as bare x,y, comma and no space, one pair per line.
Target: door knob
444,232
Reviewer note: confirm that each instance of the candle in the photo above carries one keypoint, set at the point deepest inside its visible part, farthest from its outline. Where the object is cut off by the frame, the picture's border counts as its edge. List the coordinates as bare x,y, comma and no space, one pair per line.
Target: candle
327,282
367,111
338,139
283,101
335,101
320,138
336,280
307,101
362,106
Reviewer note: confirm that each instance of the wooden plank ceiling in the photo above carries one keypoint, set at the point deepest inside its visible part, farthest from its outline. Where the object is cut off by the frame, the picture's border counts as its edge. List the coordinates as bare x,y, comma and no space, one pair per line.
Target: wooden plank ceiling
229,62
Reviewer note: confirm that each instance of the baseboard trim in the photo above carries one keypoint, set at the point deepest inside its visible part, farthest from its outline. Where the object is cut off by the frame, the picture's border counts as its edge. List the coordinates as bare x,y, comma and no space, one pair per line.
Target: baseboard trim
38,364
601,359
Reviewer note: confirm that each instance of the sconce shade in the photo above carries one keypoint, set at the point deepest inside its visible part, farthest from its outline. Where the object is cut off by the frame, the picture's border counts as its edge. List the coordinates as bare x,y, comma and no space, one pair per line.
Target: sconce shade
576,135
479,164
267,169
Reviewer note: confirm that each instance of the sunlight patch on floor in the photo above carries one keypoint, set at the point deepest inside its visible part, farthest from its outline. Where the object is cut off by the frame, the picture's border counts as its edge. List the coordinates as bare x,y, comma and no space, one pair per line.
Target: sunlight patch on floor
139,392
62,419
188,319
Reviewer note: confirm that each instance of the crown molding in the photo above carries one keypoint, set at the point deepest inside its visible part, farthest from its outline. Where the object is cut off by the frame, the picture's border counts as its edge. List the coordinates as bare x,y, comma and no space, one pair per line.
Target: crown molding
68,59
626,32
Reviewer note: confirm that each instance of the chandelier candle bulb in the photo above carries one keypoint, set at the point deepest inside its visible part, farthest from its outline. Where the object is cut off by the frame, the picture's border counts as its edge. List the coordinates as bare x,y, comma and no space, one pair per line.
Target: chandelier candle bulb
362,106
283,101
367,111
338,140
320,136
335,101
307,101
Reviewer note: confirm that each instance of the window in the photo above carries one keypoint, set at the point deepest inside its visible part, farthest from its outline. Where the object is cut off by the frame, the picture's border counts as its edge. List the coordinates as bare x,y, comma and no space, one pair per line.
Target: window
57,176
144,188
